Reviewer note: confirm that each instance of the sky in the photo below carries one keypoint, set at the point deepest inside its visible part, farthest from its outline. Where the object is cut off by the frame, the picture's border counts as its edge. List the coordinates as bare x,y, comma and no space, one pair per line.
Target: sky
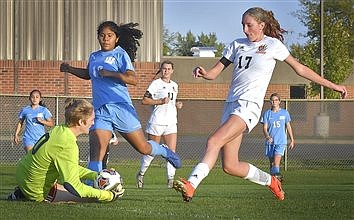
223,17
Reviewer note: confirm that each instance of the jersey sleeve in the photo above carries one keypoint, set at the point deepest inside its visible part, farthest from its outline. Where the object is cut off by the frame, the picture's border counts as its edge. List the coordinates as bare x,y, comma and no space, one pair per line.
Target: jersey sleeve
123,61
281,52
47,114
152,88
230,51
70,171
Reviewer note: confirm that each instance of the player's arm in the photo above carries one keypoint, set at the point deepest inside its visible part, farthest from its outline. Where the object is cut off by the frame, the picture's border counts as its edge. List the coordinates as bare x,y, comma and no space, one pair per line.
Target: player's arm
309,74
79,72
148,100
214,71
47,122
291,135
266,134
129,77
18,129
70,171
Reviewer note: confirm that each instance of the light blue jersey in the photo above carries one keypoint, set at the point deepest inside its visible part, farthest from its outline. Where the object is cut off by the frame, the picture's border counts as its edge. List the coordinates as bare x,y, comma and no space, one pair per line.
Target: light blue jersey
34,129
276,122
107,89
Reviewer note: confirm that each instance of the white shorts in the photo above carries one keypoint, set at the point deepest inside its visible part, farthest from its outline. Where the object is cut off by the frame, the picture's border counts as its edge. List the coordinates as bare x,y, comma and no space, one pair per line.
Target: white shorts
248,111
159,130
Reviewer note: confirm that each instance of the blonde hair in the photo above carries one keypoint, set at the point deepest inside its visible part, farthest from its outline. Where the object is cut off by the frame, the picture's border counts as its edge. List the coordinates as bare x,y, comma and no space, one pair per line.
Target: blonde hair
76,110
272,27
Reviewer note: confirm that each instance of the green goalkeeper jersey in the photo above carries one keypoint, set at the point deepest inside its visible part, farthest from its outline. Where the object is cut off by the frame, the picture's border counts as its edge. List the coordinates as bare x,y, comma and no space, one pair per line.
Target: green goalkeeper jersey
55,155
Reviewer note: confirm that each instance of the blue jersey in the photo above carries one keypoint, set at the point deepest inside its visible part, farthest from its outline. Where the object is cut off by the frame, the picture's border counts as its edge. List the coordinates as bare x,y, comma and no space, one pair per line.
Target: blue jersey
107,89
276,122
34,129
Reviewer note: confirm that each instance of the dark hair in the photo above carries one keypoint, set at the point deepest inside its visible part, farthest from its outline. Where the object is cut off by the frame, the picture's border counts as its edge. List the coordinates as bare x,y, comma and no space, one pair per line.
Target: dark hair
41,103
272,27
128,36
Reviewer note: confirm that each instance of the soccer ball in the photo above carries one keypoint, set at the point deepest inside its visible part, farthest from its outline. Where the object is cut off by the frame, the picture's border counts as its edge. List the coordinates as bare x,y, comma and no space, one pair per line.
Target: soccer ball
108,179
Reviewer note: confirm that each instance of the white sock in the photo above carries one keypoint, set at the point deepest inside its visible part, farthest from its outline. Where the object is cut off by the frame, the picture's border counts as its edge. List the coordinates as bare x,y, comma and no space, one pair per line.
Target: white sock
171,171
145,163
198,174
258,176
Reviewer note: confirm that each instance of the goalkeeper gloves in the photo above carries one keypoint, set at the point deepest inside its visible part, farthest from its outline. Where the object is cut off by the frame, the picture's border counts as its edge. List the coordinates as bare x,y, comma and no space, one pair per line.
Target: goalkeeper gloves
117,192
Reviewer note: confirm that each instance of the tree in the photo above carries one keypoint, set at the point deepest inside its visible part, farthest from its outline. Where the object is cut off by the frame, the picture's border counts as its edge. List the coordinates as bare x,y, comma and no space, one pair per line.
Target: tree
338,41
168,41
175,44
184,44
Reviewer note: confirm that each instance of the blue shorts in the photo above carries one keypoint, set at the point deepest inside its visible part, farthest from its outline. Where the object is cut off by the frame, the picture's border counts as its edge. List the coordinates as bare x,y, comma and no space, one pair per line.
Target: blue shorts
27,141
116,116
274,149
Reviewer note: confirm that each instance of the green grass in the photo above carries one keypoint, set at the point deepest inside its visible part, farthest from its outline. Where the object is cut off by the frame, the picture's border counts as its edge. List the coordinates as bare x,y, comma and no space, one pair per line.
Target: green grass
310,194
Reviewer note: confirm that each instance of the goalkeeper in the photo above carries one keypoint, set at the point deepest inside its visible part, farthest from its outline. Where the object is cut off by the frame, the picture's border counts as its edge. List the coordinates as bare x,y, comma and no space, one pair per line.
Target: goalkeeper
55,155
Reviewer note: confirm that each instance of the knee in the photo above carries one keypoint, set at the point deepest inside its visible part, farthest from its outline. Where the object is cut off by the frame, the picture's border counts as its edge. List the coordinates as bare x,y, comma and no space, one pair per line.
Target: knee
146,149
232,169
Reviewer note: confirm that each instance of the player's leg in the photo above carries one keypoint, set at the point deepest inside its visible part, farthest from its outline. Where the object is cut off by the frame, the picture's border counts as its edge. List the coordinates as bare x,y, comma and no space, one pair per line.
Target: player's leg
99,140
59,194
28,143
227,132
171,141
279,151
128,125
145,163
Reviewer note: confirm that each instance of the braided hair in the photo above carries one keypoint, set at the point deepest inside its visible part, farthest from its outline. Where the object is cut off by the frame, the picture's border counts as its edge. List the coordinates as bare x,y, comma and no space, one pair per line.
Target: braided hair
128,36
272,27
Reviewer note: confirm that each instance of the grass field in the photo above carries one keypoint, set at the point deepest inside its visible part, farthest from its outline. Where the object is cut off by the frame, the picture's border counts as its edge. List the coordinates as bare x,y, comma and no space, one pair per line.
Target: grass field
310,194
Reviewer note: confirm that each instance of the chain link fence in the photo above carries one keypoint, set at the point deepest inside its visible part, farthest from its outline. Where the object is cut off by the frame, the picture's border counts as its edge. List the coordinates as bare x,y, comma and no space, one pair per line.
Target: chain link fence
323,130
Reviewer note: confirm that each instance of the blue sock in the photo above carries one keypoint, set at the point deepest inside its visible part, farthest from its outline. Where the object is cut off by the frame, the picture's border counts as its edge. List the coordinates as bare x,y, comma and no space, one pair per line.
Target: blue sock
157,149
95,166
274,170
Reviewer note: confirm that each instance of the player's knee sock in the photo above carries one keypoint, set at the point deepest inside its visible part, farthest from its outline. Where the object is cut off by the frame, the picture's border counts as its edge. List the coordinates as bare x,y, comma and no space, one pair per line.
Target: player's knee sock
198,174
274,170
258,176
95,166
145,163
171,171
157,149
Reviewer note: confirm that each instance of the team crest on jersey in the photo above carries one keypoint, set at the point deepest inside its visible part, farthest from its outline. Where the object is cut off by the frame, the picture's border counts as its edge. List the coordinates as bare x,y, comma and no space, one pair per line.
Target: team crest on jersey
110,60
262,49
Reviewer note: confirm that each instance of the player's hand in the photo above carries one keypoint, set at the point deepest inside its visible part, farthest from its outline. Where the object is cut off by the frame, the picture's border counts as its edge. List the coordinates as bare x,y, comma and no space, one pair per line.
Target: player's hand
64,67
291,144
198,72
117,192
16,139
179,105
342,90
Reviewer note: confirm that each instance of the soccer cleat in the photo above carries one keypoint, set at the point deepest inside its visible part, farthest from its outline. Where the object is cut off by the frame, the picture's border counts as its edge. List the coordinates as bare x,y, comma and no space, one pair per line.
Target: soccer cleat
172,157
170,183
275,188
16,195
139,181
279,177
184,186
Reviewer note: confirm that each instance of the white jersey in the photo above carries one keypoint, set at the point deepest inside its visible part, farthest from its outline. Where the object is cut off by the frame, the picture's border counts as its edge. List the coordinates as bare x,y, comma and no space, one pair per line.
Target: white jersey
254,64
165,114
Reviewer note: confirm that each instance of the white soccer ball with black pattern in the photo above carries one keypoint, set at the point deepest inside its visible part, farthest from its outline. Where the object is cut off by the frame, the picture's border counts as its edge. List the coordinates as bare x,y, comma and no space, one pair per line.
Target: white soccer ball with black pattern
109,179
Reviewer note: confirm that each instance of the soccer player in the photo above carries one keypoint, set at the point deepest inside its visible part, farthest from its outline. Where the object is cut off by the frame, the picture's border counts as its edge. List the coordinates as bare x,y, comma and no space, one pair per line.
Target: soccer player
161,95
110,70
55,155
276,123
35,117
254,58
